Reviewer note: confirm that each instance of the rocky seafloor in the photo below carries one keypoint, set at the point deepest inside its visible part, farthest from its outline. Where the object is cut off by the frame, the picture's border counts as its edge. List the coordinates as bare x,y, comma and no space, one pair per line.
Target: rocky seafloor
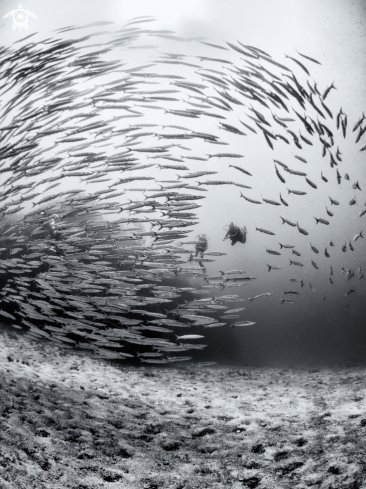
69,421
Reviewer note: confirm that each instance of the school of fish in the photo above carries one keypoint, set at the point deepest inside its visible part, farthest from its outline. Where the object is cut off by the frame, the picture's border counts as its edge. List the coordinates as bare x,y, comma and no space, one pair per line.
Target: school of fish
94,270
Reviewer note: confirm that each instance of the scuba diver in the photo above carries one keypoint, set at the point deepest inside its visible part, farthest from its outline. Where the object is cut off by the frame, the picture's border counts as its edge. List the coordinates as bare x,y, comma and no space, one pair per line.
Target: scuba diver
52,229
236,234
202,245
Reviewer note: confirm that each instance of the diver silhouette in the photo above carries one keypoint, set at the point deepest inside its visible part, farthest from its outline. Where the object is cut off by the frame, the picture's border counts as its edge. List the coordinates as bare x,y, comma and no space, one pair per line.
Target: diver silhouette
202,245
236,234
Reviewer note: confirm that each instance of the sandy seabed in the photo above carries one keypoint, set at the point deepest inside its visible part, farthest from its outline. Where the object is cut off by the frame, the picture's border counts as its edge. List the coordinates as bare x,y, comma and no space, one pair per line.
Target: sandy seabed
70,421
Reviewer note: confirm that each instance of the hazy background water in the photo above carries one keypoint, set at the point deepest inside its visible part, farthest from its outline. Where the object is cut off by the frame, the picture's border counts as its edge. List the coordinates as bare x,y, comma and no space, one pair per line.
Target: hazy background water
313,330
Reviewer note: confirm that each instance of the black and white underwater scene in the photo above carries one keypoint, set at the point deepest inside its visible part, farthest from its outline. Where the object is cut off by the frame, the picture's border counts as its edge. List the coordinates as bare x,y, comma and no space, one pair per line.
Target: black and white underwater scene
182,244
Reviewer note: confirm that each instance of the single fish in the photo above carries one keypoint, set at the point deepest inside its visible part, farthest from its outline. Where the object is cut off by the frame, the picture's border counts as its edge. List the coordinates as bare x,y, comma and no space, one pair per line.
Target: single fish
289,222
357,236
286,246
189,337
250,200
280,163
241,169
271,267
332,201
310,59
250,299
327,90
299,63
322,221
297,263
301,230
283,201
289,301
311,183
233,272
273,202
233,311
271,252
359,122
7,315
296,192
243,323
264,231
351,291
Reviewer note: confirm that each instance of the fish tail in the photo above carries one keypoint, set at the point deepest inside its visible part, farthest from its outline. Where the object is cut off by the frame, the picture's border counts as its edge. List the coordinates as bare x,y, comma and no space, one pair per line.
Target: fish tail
361,234
289,191
281,246
269,267
291,262
282,301
222,273
241,195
